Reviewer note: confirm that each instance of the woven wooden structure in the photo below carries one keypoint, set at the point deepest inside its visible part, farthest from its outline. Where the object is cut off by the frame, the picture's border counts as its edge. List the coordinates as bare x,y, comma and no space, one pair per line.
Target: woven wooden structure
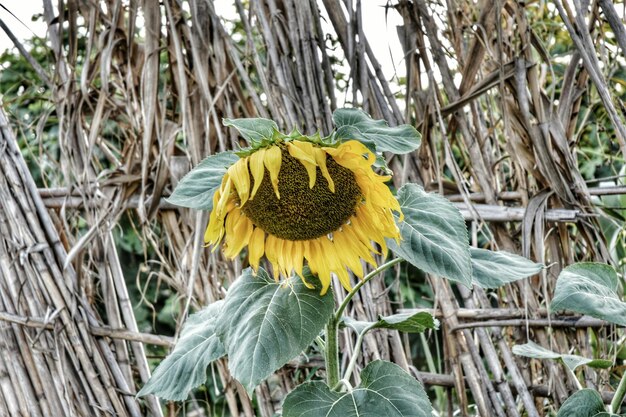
138,91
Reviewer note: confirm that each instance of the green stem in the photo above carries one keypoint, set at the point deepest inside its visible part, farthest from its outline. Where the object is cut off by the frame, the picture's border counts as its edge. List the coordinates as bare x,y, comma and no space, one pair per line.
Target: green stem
358,286
618,398
332,352
356,352
576,380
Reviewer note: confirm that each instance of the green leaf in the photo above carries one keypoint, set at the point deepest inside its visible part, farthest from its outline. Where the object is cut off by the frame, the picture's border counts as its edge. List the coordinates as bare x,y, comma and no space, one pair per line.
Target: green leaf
265,323
409,322
434,236
404,322
195,190
375,134
494,269
253,130
357,325
533,350
590,288
385,390
583,403
185,368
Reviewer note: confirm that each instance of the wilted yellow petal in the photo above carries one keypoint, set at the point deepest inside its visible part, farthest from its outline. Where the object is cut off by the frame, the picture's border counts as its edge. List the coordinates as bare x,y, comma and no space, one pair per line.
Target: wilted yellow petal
295,150
352,256
224,195
364,246
213,234
318,258
320,159
257,168
271,252
302,151
273,160
238,230
256,247
297,255
239,175
333,258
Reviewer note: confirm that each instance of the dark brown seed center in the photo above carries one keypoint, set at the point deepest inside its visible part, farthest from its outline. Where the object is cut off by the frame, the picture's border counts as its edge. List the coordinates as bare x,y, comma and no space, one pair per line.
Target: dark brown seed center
303,213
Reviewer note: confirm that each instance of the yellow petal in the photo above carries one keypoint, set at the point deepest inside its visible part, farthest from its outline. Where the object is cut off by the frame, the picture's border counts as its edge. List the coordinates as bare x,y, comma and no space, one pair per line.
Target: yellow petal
257,169
302,151
224,195
320,159
298,250
351,252
363,226
273,159
333,259
317,262
283,247
211,233
238,173
306,246
352,155
239,228
214,232
298,151
271,252
364,246
256,247
297,254
215,229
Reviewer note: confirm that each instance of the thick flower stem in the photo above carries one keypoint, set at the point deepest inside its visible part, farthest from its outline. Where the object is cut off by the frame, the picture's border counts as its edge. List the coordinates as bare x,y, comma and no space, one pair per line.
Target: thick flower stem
332,352
618,398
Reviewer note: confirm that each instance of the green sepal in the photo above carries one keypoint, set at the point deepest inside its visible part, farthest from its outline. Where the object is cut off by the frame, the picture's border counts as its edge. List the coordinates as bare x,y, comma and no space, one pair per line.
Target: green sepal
254,130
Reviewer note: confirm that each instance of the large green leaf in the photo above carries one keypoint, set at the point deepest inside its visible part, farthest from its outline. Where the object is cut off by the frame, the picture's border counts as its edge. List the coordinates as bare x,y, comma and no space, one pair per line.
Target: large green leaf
375,134
583,403
494,269
185,368
385,390
590,288
434,236
265,323
195,190
255,131
533,350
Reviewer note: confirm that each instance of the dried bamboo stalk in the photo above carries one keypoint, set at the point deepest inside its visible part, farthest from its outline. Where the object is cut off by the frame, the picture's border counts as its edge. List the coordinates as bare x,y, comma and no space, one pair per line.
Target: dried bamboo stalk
32,369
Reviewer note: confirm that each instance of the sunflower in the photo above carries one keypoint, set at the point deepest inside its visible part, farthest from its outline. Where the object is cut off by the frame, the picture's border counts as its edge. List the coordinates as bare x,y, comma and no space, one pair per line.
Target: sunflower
299,200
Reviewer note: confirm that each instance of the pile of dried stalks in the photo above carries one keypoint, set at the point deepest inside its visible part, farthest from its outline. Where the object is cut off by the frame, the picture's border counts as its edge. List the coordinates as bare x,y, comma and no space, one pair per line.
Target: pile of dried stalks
162,75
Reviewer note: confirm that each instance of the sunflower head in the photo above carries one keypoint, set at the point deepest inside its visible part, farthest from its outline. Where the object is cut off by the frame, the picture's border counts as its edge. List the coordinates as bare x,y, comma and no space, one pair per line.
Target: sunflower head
297,200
